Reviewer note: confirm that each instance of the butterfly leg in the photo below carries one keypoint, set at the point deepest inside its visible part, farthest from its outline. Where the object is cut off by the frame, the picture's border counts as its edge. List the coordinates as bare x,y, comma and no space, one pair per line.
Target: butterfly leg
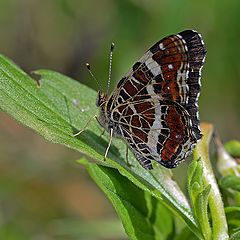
87,124
109,144
127,160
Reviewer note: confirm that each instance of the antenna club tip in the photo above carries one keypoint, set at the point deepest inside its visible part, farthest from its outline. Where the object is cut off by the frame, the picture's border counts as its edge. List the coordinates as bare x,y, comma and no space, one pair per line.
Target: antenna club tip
88,66
112,46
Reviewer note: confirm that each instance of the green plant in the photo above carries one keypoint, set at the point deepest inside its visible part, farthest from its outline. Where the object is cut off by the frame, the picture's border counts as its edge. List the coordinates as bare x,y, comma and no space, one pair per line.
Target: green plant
149,203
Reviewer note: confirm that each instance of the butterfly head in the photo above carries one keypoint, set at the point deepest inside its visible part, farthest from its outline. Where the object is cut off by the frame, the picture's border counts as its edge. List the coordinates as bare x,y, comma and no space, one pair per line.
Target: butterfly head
101,101
101,98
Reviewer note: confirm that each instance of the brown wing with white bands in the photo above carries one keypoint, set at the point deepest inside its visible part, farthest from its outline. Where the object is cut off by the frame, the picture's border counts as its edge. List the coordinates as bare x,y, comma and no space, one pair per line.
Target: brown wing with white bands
173,67
156,130
169,72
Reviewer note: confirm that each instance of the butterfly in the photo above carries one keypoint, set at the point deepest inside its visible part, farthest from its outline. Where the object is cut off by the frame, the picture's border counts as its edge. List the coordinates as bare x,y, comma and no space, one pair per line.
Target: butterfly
154,107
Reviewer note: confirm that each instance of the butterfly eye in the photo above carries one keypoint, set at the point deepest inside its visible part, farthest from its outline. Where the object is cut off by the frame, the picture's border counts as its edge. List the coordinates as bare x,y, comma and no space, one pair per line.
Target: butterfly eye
101,99
98,100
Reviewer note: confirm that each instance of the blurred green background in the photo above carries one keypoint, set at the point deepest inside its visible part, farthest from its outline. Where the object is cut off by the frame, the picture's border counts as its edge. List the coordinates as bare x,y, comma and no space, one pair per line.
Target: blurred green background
44,194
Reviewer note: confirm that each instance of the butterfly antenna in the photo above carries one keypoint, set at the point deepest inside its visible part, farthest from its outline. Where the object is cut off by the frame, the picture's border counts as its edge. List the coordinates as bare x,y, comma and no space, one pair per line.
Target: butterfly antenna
89,70
110,66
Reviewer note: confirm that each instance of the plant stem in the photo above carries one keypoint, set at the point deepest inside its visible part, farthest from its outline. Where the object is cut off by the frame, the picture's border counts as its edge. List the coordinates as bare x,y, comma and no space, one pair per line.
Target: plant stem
219,223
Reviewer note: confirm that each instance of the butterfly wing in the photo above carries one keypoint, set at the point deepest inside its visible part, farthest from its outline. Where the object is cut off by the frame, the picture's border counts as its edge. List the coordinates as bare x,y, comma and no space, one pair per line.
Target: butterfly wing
156,130
167,75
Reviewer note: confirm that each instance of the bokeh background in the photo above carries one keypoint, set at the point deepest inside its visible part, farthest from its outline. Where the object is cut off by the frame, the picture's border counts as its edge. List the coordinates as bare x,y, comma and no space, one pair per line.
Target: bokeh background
44,194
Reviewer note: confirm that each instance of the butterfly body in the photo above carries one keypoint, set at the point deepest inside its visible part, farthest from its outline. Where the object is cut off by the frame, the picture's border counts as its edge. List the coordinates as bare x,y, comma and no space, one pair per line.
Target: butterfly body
104,117
154,108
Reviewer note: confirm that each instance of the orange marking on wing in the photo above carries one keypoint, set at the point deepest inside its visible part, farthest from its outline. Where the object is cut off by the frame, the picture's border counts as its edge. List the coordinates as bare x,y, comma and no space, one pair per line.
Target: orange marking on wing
131,90
140,76
174,121
140,134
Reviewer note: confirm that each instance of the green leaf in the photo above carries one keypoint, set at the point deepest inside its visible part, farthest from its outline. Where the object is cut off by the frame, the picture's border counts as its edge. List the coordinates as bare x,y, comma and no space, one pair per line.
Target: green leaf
199,193
143,216
235,235
230,181
226,164
59,108
233,148
195,172
201,209
195,183
233,218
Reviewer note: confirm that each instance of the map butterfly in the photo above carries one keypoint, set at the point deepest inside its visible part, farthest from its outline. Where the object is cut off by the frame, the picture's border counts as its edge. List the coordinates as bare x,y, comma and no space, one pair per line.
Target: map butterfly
154,107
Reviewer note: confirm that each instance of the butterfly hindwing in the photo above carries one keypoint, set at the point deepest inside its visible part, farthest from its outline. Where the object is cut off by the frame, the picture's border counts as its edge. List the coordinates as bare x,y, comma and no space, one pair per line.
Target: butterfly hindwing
156,130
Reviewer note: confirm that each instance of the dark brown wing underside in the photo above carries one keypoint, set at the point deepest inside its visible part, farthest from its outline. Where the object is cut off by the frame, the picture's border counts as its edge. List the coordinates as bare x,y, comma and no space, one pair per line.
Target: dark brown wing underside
156,104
